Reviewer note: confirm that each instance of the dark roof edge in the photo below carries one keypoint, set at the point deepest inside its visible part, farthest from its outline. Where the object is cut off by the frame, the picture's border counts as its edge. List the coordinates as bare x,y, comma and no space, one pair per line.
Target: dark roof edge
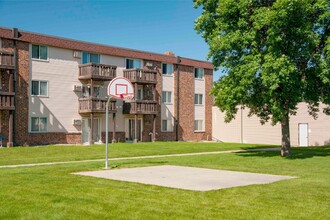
62,42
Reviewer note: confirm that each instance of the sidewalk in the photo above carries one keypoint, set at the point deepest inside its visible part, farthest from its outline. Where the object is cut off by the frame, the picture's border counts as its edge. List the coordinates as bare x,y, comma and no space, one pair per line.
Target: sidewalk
139,157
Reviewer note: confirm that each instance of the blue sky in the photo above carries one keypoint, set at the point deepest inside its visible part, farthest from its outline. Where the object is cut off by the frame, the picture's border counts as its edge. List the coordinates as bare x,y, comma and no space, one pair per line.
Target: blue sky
149,25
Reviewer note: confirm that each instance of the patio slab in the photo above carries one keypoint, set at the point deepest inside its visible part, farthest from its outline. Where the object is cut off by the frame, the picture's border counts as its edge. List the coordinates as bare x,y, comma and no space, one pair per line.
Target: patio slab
188,178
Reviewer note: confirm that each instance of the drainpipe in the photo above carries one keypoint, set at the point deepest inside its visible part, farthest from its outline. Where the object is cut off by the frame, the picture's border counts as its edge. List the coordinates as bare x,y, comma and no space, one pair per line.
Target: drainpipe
178,60
13,113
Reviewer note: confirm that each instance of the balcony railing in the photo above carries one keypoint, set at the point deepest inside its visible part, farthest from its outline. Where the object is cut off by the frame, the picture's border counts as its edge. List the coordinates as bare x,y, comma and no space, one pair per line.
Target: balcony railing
141,76
6,60
7,101
97,71
145,107
96,105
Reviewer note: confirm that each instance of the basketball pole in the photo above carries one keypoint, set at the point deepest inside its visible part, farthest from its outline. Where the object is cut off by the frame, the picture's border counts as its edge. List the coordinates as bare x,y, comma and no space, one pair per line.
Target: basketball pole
106,131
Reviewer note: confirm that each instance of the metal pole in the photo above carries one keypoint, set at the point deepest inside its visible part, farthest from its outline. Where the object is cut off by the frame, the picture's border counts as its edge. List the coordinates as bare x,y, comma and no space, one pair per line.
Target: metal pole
241,123
106,132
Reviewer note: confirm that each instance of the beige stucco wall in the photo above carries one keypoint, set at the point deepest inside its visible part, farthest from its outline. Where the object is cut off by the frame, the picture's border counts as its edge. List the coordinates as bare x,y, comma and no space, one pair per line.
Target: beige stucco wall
249,130
167,109
199,110
61,105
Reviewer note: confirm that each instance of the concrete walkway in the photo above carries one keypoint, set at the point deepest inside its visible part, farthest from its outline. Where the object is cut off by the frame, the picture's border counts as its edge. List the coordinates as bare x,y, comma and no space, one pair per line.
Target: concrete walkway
139,157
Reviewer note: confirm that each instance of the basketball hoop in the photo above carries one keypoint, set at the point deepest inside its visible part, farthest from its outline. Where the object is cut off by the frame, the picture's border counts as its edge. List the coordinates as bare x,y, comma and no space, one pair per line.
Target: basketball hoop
121,88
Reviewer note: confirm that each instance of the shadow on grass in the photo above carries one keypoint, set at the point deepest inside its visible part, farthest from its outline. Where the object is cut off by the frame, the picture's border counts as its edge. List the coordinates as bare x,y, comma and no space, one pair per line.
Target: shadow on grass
296,153
256,146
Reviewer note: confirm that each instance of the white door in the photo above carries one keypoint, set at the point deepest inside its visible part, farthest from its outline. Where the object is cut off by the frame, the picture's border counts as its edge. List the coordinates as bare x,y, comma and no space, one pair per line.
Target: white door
303,135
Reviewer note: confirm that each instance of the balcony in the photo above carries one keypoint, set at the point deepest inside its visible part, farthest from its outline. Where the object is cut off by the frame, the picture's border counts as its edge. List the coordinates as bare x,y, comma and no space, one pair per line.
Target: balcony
141,76
97,71
7,101
96,105
145,107
6,60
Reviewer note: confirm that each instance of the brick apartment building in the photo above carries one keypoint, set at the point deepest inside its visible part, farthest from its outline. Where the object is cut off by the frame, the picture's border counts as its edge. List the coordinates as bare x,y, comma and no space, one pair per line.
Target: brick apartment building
53,90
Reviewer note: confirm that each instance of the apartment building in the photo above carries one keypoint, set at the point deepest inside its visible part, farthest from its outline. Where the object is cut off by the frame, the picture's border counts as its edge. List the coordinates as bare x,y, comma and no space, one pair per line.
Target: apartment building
53,90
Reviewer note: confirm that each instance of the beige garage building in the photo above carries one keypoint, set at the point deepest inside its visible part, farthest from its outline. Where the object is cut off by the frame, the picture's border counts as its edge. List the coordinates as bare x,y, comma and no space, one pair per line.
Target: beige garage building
304,130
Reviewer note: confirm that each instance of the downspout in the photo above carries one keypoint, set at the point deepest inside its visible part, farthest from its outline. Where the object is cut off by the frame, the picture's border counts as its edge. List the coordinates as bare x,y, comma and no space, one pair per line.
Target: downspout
15,36
178,60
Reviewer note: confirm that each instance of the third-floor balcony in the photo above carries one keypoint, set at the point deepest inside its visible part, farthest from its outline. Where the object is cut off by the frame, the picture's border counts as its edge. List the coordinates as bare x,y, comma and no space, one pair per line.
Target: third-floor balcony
97,71
146,107
96,105
142,76
6,60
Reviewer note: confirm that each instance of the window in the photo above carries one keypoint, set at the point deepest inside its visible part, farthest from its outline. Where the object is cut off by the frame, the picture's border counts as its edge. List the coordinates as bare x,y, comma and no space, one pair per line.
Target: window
97,91
39,124
166,97
39,88
86,91
198,125
167,125
133,64
90,57
39,52
167,69
199,73
140,94
198,99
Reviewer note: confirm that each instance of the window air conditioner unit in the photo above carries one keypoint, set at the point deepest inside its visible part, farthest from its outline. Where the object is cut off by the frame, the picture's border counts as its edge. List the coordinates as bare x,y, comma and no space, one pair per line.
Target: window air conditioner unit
76,122
77,88
77,54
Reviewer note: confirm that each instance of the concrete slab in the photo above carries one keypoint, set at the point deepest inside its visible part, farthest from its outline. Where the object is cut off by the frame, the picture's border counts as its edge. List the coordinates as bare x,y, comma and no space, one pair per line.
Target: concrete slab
189,178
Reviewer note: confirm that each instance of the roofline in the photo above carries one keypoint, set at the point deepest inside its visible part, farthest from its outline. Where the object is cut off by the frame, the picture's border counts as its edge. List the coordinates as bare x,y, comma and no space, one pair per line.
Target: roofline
69,43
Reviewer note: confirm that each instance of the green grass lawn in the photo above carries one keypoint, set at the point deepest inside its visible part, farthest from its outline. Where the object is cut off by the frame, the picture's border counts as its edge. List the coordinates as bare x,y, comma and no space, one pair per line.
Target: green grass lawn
25,155
52,192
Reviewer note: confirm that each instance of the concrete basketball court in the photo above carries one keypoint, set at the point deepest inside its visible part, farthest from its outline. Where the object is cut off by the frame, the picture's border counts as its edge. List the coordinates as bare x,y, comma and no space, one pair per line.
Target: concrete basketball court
188,178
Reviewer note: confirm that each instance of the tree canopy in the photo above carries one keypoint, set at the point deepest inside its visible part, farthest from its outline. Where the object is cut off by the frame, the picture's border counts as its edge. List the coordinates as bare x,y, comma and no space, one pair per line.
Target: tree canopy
275,54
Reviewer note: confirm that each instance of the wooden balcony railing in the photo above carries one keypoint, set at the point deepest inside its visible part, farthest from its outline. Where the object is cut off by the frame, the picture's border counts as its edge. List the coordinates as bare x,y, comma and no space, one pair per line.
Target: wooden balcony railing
97,71
7,101
6,60
141,76
96,105
145,107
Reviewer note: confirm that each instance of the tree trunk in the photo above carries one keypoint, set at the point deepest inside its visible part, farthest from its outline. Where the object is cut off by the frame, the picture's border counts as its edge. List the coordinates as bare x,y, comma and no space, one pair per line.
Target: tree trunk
286,146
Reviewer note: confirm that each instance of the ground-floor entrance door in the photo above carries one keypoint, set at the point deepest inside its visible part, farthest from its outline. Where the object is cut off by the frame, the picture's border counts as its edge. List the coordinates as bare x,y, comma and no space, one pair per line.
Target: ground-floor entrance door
130,129
86,130
303,135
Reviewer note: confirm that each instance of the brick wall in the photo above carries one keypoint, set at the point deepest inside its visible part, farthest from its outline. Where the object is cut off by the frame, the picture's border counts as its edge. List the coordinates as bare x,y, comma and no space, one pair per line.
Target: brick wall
208,76
50,138
186,103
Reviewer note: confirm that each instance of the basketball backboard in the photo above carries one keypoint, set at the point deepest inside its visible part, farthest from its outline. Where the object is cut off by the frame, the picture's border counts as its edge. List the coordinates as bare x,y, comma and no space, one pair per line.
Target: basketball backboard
120,88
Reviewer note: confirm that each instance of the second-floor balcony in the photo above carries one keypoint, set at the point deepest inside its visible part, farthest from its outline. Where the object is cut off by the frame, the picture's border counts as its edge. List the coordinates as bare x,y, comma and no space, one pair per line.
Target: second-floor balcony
142,76
6,60
96,105
145,107
97,71
7,101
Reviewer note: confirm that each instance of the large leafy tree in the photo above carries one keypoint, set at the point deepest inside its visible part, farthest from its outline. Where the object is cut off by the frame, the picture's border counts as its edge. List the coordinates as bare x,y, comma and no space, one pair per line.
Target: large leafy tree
275,54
